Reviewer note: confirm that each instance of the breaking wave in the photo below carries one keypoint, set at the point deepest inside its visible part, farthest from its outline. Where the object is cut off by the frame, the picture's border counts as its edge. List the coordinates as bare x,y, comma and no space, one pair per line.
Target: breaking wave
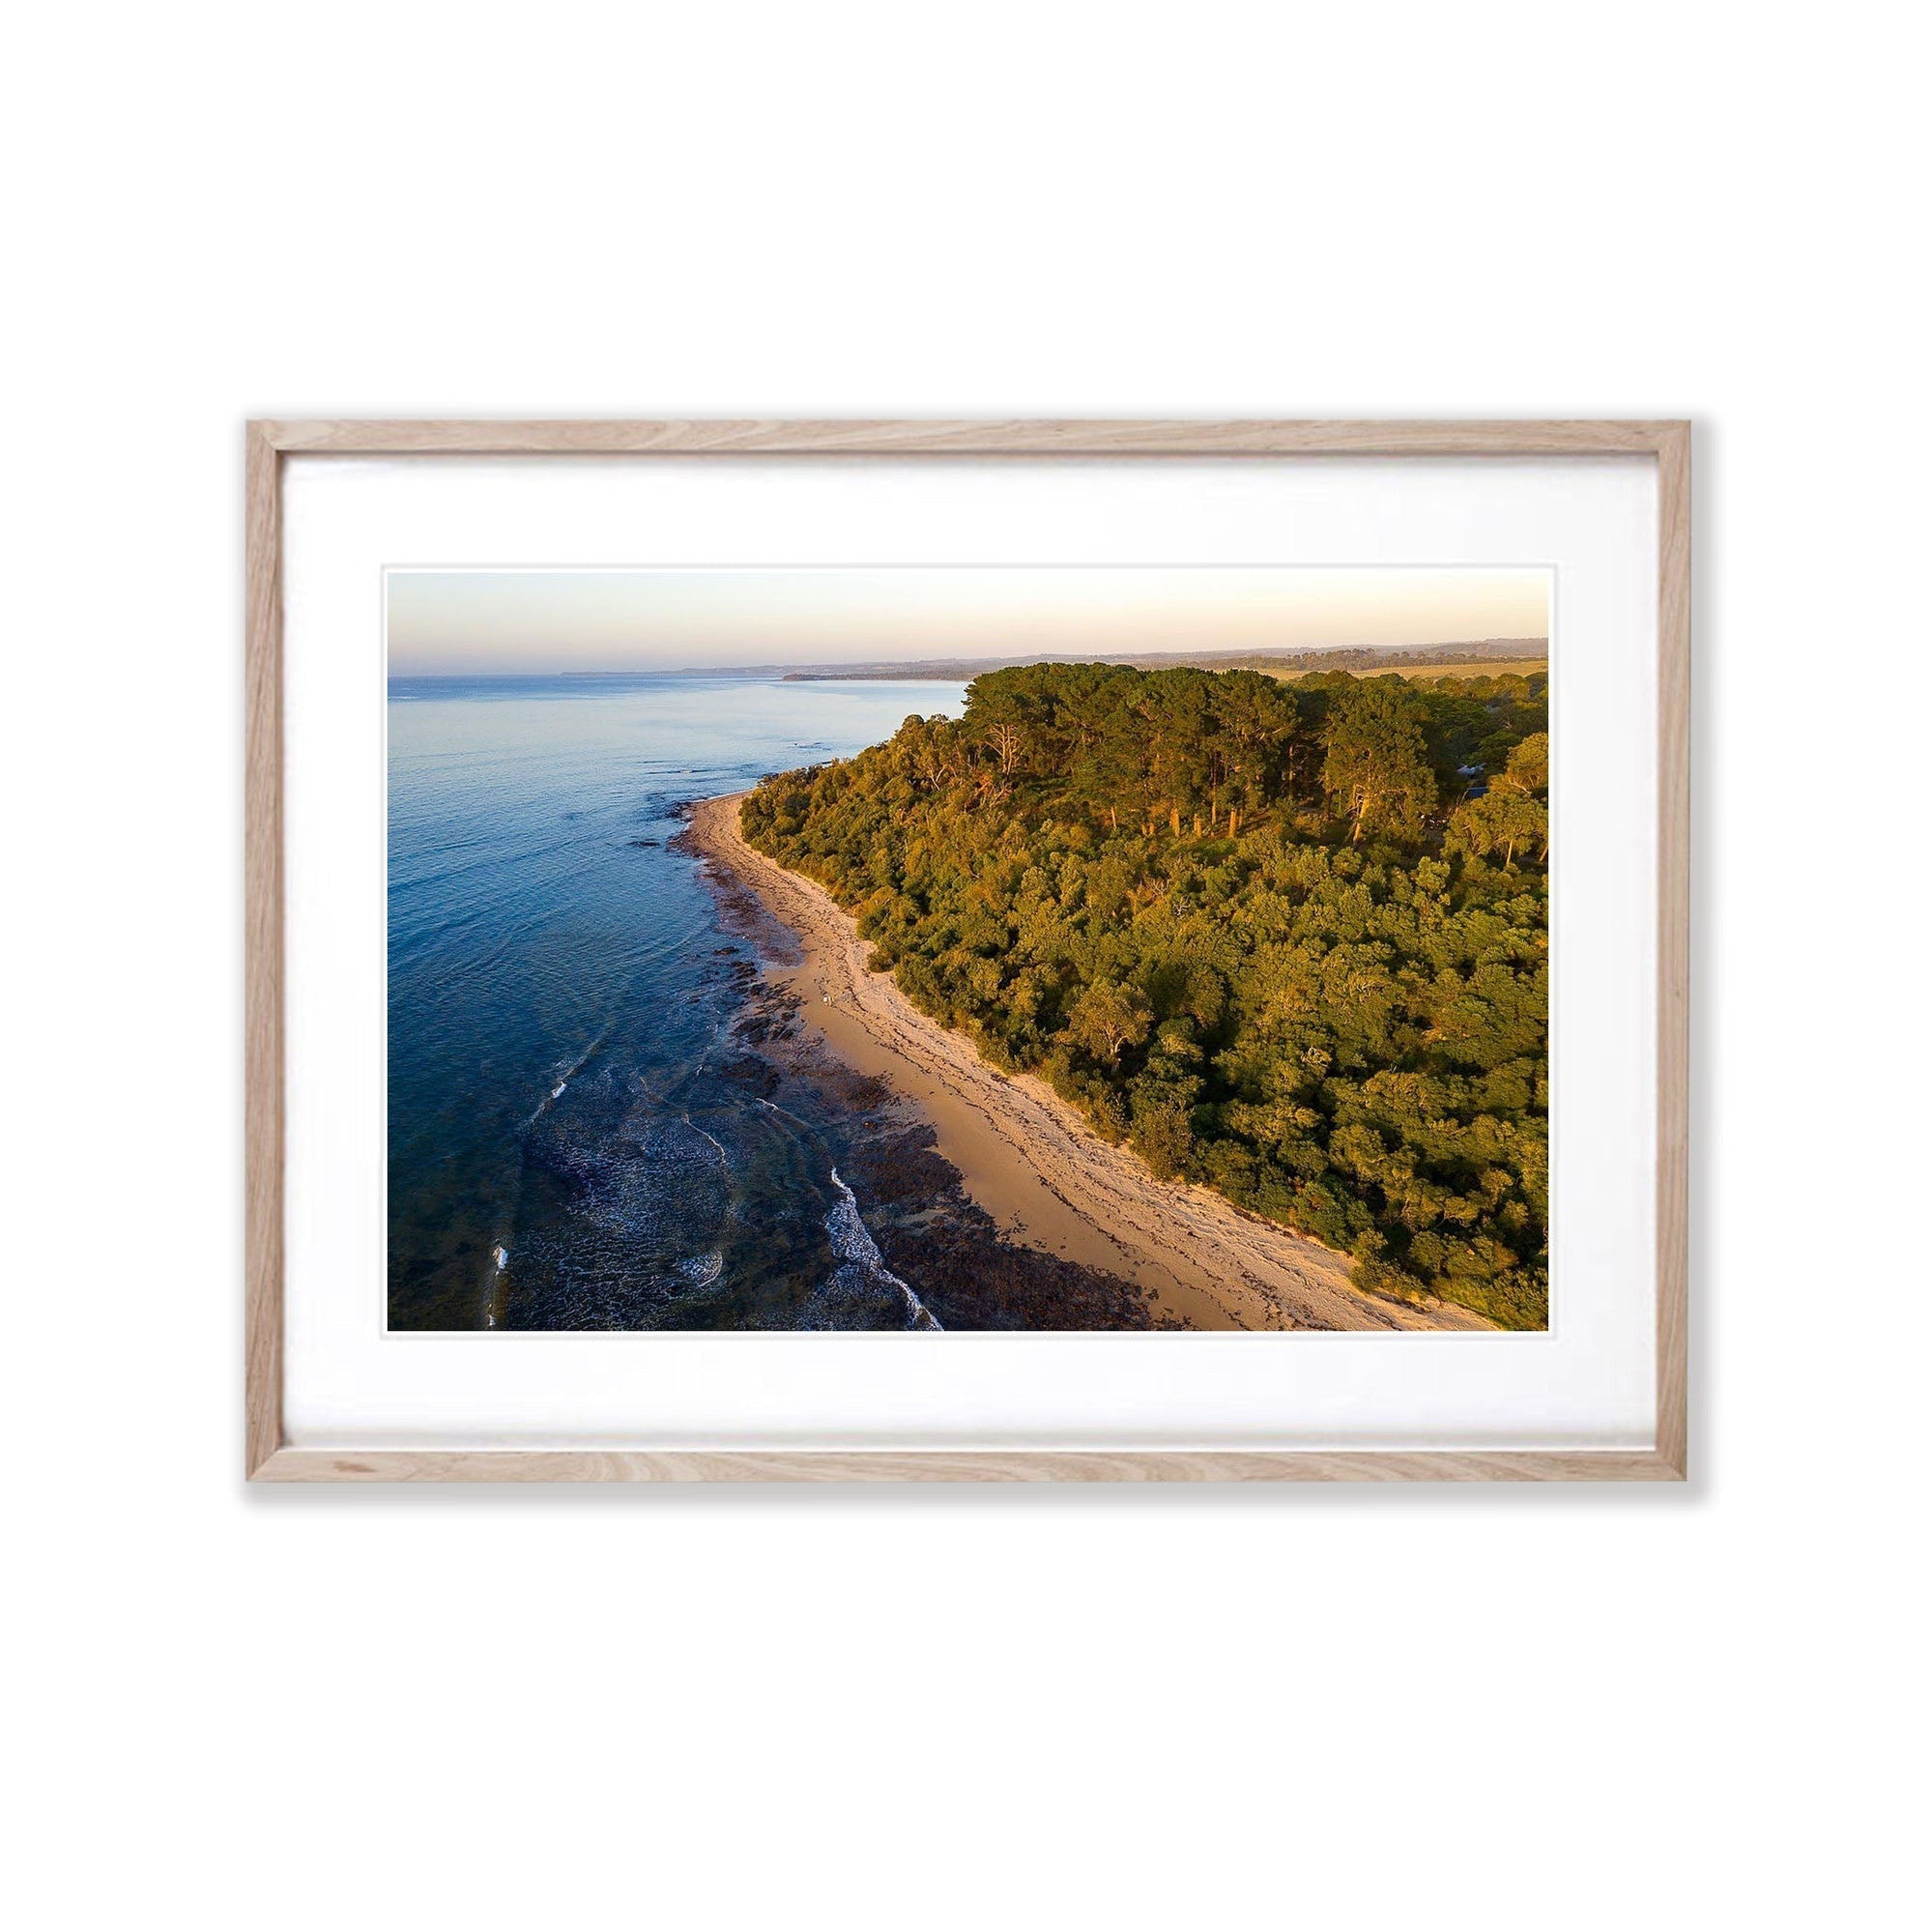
862,1268
500,1260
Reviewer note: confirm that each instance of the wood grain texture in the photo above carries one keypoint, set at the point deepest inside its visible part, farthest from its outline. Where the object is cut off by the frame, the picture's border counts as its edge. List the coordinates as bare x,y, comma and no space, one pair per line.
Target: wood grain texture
1072,438
263,966
270,1459
1672,948
976,1465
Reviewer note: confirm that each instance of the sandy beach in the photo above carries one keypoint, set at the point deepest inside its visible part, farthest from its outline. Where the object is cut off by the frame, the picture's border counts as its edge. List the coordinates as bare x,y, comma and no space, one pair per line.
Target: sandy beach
1025,1157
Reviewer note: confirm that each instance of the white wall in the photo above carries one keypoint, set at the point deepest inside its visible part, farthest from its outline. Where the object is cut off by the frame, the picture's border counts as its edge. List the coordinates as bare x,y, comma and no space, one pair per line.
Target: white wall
1338,1709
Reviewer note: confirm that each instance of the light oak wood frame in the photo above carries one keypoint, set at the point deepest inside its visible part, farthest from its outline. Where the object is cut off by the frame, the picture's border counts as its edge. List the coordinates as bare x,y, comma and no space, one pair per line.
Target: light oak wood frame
269,1458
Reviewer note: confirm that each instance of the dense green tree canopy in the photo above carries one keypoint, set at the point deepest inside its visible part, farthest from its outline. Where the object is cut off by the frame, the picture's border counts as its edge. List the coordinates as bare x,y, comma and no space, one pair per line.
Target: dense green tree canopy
1288,939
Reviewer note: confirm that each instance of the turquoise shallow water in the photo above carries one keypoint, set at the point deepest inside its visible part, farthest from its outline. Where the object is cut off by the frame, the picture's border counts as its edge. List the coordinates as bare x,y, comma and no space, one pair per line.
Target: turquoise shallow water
575,1137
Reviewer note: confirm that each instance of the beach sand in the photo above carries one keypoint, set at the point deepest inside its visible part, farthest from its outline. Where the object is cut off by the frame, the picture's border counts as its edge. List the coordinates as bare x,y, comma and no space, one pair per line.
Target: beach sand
1025,1157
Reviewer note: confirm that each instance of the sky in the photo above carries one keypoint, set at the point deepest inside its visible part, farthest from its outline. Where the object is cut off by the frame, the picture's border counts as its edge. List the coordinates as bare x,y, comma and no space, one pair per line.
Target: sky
658,619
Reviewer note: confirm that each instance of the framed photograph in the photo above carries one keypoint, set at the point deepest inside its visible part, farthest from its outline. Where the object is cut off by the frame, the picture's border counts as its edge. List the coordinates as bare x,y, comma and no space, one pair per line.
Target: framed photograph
960,951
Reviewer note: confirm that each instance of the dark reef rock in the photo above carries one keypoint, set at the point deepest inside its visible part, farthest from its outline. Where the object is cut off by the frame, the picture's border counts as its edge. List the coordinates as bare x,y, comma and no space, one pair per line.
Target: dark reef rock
929,1231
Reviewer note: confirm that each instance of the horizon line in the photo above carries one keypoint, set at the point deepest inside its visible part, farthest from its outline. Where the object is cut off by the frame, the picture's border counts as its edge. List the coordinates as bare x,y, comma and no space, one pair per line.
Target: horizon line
880,667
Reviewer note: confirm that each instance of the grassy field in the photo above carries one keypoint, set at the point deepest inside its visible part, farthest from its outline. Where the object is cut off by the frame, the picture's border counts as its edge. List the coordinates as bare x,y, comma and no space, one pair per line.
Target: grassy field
963,670
1487,667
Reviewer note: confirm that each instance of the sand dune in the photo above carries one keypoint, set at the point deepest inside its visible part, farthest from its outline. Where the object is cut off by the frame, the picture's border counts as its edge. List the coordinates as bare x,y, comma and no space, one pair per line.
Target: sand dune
1027,1158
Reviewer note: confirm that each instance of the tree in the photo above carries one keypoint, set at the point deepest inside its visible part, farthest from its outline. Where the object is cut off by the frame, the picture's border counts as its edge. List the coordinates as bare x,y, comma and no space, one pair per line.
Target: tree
1160,1111
1259,721
1011,714
1108,1016
1378,769
1007,740
931,748
1527,769
1501,822
1511,817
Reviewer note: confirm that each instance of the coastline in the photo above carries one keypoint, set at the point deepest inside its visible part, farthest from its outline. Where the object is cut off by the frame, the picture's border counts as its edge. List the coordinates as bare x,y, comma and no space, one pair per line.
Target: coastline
1025,1155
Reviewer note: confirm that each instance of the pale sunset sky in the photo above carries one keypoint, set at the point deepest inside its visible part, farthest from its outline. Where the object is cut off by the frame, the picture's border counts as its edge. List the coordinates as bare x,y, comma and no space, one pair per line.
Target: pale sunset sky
659,619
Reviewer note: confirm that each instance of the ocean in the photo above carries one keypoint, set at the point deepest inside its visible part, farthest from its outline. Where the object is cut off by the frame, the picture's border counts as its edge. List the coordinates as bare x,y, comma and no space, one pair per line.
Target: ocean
583,1131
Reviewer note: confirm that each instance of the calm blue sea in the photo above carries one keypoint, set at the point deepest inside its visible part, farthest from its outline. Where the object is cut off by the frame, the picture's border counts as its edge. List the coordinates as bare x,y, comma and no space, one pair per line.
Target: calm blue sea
574,1141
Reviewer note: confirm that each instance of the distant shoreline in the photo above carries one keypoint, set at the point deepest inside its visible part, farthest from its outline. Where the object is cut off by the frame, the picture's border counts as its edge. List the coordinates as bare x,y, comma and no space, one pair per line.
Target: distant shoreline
1487,656
1026,1158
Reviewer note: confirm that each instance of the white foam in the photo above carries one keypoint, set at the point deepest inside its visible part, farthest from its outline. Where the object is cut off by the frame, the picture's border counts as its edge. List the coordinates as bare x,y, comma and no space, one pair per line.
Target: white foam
699,1271
500,1260
852,1241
